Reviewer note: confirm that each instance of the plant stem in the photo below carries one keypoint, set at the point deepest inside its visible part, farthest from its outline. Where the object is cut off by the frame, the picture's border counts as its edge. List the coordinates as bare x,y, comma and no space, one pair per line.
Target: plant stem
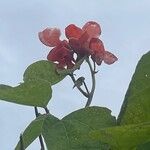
86,88
79,88
40,136
21,143
46,110
93,83
94,66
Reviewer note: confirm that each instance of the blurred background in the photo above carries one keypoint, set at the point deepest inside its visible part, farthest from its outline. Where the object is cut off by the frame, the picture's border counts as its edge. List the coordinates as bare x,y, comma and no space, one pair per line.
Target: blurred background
125,32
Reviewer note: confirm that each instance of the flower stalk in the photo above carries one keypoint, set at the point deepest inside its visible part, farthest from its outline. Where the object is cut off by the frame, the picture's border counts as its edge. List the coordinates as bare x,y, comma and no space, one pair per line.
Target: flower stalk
90,96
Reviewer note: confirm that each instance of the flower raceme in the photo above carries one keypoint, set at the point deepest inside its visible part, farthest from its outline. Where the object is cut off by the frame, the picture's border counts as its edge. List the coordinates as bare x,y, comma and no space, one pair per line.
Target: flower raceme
82,41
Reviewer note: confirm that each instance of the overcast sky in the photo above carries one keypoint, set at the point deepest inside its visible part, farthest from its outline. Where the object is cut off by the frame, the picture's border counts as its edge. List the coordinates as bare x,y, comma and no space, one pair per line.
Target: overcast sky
125,32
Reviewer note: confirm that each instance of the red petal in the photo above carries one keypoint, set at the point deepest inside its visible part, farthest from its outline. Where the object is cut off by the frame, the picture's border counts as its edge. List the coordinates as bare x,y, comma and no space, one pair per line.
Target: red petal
78,48
75,44
98,58
73,31
57,53
54,54
62,55
96,45
65,44
93,29
50,37
84,38
109,58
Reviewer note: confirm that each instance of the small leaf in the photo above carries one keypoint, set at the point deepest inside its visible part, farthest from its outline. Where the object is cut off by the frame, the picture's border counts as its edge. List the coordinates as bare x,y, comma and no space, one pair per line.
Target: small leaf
72,131
136,105
35,129
79,82
123,137
43,70
32,93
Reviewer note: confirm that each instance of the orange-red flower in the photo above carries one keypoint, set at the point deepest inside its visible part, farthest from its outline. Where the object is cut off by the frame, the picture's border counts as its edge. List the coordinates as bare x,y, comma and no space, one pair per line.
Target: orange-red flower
79,39
82,41
61,53
86,41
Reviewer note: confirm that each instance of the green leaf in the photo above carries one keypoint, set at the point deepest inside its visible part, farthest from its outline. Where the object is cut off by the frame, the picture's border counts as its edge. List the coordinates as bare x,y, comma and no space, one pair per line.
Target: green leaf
32,93
136,106
123,137
43,70
145,146
35,129
72,131
90,128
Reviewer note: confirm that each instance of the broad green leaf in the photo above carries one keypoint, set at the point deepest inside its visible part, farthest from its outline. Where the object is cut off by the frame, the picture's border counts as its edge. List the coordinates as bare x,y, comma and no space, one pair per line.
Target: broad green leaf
136,106
43,70
125,137
71,132
35,129
32,93
32,132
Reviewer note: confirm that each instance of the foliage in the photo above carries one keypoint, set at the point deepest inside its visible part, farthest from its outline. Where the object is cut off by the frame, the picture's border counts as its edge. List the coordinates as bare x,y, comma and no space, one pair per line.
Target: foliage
90,128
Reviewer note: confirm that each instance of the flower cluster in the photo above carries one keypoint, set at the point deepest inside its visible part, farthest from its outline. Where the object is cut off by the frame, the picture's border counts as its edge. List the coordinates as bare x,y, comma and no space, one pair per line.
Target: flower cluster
82,41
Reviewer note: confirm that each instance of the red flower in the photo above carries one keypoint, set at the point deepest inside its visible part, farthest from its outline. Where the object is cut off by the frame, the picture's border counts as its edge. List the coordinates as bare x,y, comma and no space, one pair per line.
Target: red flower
61,53
83,42
79,38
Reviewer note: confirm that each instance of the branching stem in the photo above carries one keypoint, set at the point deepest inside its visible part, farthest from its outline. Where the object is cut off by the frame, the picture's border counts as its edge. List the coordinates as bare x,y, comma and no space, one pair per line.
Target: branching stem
79,88
87,94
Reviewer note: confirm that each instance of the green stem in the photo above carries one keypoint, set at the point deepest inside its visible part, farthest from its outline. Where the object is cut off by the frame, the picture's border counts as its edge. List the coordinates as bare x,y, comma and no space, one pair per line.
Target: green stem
90,96
40,136
46,110
86,88
21,143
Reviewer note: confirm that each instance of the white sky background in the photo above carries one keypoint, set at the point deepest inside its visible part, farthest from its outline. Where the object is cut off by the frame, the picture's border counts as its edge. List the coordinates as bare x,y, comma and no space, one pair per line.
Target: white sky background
125,32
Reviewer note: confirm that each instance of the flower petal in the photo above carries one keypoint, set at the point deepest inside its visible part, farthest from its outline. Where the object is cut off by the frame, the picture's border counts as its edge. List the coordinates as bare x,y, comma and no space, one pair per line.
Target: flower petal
75,44
84,38
97,50
98,58
73,31
62,55
79,48
55,54
109,58
93,29
96,45
50,37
